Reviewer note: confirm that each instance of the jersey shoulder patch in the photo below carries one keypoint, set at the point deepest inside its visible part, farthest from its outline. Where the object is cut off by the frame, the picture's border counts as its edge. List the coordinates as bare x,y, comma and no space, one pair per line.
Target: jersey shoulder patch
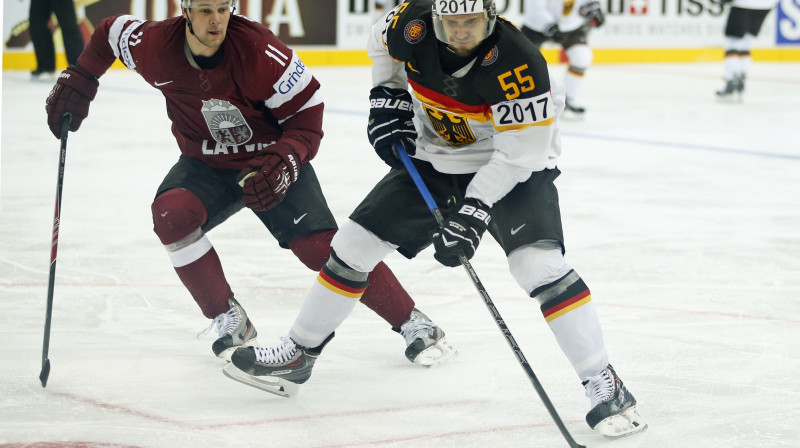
409,27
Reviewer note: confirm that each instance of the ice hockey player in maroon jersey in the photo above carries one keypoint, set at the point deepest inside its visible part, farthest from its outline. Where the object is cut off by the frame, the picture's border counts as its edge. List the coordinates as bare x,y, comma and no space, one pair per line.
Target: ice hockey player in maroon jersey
246,113
481,123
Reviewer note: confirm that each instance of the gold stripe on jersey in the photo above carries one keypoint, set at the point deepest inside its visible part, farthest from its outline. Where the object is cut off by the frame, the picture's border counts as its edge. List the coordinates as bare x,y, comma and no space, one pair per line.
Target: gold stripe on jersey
451,119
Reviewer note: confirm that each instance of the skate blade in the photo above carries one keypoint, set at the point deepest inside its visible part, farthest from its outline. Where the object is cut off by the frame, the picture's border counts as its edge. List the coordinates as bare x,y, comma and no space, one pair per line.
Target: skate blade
436,354
273,385
622,425
226,354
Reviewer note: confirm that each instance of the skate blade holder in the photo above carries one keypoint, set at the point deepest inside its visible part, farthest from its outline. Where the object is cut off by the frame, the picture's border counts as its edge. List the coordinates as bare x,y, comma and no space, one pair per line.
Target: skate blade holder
438,353
622,425
273,385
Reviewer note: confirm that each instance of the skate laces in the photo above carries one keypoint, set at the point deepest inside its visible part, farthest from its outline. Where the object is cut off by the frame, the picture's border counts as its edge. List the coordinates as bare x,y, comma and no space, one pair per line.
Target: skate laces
278,354
417,326
599,388
226,323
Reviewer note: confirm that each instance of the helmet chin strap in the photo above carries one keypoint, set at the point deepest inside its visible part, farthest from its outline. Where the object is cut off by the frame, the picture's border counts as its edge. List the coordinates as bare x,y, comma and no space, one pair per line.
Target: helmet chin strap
188,22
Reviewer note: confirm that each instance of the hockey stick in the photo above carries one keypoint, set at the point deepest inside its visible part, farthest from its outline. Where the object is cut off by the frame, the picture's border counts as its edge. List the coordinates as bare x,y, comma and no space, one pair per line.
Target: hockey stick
437,214
45,373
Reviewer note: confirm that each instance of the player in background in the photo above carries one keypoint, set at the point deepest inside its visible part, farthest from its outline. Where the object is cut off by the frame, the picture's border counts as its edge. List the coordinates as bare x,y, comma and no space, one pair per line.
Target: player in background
482,126
381,7
743,24
247,116
567,23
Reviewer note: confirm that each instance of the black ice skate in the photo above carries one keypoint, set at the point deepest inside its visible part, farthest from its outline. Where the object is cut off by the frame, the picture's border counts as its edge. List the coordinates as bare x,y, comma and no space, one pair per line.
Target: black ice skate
235,330
426,342
278,370
732,87
575,108
613,412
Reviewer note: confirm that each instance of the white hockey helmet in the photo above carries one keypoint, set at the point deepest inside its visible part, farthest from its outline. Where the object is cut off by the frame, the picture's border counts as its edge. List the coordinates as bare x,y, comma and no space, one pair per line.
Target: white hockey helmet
442,8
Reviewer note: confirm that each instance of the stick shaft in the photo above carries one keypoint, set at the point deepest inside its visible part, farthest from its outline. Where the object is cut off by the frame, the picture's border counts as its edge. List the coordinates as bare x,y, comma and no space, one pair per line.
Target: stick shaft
45,373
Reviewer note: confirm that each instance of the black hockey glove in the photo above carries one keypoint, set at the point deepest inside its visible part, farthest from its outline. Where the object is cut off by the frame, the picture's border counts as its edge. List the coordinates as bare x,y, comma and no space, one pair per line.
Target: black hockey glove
593,14
391,116
461,232
551,32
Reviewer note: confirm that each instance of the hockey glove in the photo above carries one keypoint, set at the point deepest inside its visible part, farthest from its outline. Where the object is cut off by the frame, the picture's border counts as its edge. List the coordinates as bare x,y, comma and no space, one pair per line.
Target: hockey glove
267,185
593,14
73,91
461,232
391,116
551,32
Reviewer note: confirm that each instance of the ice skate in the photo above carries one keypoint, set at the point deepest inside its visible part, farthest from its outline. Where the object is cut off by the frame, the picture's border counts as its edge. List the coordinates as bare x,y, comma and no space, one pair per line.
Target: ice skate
43,76
425,341
739,83
613,413
574,107
278,369
235,330
732,88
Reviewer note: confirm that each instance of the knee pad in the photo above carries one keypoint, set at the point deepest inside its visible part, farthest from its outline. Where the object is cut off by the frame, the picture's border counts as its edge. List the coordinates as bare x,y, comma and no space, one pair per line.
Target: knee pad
537,265
340,269
580,57
177,213
359,248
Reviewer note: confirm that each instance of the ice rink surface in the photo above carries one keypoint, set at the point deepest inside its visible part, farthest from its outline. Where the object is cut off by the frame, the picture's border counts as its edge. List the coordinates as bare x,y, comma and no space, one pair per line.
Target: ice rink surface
681,212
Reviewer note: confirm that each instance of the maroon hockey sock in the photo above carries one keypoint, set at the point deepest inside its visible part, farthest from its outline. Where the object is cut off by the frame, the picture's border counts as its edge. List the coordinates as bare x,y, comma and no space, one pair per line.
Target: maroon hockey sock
178,213
206,282
385,295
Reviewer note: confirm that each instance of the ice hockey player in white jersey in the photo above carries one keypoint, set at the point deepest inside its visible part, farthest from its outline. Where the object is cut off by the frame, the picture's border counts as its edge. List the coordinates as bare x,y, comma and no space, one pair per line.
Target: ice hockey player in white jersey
381,7
742,26
567,23
481,124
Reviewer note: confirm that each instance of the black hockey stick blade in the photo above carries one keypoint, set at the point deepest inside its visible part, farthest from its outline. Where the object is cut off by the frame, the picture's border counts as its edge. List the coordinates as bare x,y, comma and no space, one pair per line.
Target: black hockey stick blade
45,373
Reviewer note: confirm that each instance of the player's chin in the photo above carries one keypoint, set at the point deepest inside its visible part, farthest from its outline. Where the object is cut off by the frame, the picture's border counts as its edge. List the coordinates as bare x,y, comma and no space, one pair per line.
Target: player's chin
463,50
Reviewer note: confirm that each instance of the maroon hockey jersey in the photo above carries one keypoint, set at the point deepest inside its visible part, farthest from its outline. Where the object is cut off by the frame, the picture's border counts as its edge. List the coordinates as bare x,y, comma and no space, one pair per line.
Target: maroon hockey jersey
261,94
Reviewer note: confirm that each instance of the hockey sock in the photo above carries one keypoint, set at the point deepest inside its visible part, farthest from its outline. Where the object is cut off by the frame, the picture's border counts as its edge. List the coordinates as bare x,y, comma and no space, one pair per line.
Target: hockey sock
385,295
206,282
329,301
177,217
567,308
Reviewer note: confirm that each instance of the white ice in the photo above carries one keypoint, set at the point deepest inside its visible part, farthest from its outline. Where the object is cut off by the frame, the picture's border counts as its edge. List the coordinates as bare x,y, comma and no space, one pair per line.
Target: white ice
681,212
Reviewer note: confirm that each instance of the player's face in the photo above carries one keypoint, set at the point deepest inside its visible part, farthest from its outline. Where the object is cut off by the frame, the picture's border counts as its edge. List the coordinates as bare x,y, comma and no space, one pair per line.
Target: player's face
210,24
464,31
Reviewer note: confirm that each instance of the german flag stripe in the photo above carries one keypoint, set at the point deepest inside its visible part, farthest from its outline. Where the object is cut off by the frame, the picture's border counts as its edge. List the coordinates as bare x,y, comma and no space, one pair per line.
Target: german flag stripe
566,310
581,298
353,290
438,100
